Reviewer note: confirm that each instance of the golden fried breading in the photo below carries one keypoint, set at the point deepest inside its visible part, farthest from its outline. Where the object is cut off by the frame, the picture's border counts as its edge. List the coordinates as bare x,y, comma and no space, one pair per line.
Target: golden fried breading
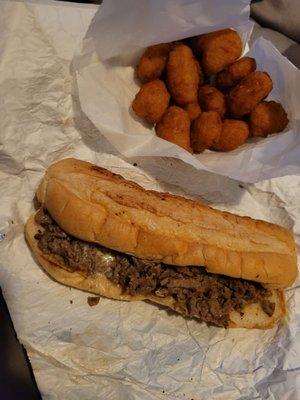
235,72
182,75
193,109
218,49
266,118
206,131
151,101
175,127
249,92
234,133
211,99
153,62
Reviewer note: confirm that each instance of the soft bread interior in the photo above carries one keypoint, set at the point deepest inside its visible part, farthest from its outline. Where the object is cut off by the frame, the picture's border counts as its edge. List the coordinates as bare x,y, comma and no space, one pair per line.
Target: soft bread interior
253,316
95,205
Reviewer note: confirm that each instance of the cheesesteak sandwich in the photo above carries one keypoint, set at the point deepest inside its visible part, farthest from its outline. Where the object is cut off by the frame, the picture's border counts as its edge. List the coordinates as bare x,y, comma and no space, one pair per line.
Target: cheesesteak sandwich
103,234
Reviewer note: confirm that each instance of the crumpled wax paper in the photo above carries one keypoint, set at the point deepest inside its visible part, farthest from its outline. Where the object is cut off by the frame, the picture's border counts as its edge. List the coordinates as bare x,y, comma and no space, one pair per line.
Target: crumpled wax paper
107,86
118,350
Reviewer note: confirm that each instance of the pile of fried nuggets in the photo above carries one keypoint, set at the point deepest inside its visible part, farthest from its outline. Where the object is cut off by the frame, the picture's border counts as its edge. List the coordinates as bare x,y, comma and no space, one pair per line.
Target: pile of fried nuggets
202,95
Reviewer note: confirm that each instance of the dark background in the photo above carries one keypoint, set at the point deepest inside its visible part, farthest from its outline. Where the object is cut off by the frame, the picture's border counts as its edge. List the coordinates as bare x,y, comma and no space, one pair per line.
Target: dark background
16,378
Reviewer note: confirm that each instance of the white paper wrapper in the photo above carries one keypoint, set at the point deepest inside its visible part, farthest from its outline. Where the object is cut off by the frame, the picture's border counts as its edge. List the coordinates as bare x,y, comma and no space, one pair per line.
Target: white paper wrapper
105,79
126,26
118,350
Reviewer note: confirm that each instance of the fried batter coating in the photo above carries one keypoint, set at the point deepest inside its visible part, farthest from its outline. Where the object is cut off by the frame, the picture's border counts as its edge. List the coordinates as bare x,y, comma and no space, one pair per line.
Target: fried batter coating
153,62
175,127
193,109
211,99
151,101
206,131
249,92
218,49
235,72
234,133
182,75
266,118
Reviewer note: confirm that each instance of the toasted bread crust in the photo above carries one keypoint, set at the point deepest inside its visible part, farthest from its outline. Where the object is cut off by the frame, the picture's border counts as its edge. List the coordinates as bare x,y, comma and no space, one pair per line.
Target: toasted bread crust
95,205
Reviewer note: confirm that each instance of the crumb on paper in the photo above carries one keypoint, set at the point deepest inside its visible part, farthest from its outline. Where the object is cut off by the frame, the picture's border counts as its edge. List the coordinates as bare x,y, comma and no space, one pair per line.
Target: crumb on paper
93,301
71,301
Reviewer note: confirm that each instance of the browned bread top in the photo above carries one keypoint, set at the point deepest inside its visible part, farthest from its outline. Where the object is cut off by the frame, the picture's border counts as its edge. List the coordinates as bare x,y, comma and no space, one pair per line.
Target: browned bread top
96,205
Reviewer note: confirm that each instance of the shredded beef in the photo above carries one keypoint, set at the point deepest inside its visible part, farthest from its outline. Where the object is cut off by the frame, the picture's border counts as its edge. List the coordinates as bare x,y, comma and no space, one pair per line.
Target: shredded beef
93,301
197,293
74,254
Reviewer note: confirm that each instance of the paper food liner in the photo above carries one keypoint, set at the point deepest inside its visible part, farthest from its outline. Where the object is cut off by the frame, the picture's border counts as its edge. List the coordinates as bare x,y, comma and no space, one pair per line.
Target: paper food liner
106,83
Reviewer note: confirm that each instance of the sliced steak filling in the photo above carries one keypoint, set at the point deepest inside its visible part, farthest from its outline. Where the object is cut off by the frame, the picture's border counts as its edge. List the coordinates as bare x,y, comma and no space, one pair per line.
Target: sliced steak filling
197,293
